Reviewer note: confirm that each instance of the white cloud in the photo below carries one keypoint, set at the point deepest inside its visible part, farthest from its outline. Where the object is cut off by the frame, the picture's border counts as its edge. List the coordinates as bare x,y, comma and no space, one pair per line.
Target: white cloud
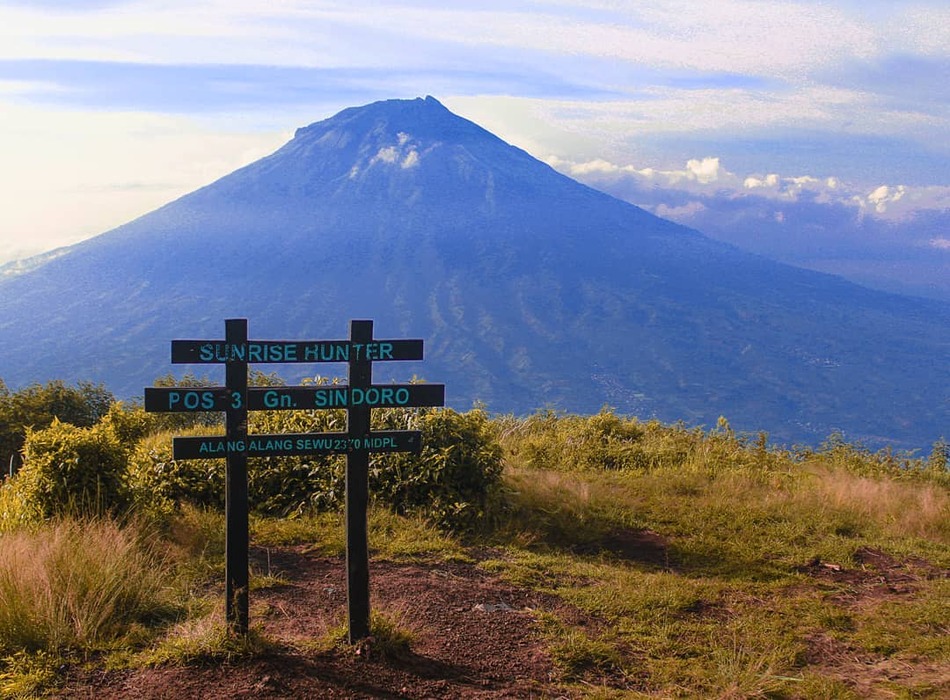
791,188
598,165
411,160
707,176
405,154
898,201
884,195
921,27
771,180
775,38
761,37
681,213
14,88
704,171
697,175
940,243
671,111
205,31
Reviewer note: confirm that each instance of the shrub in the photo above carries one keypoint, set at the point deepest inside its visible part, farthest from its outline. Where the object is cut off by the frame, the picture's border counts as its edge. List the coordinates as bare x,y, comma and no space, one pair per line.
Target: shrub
294,485
17,510
36,406
452,480
73,470
159,483
129,424
449,483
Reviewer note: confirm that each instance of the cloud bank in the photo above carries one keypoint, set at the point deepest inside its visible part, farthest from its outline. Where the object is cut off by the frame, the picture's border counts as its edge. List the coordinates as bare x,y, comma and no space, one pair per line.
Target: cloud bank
893,237
708,177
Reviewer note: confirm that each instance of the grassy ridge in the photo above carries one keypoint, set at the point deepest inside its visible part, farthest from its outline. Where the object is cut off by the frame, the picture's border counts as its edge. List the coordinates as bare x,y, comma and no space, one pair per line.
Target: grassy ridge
717,584
704,564
719,568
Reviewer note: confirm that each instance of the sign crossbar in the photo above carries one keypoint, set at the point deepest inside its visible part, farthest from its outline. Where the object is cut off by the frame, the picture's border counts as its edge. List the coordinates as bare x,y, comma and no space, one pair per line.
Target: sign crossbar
283,351
295,398
298,444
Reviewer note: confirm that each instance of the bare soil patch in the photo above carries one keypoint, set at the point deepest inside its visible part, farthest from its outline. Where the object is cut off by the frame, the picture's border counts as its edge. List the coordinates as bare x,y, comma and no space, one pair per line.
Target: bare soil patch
877,575
474,637
876,578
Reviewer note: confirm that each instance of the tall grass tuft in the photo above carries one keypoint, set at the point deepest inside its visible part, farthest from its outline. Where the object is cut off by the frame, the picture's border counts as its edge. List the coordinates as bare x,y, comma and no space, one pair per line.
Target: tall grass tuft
76,584
907,509
206,640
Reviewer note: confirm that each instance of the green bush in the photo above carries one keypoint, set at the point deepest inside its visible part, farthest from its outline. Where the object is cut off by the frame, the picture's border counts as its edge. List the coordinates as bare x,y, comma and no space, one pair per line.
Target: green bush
294,485
454,477
450,482
37,405
72,470
158,483
17,509
283,486
129,424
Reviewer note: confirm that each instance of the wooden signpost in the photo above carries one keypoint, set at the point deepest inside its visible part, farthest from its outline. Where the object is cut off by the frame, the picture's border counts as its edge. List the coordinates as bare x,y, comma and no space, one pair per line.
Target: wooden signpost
235,398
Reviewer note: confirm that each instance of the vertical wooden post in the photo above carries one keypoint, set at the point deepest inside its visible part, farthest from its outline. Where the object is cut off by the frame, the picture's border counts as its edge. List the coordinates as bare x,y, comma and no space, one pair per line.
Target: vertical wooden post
235,504
357,486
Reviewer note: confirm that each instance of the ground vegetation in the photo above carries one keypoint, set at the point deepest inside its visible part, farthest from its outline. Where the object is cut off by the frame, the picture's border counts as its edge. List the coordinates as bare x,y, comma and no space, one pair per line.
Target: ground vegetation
551,555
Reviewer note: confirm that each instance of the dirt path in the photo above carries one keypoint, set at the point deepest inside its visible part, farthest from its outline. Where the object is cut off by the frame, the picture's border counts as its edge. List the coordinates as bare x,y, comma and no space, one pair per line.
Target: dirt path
475,637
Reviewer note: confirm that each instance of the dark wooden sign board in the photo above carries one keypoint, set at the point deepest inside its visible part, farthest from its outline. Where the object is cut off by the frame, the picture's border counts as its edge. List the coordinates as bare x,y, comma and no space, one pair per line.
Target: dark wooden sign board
285,398
294,444
235,398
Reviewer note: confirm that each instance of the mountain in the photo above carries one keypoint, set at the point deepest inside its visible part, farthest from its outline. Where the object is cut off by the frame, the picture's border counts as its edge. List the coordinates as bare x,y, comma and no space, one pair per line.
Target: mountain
530,289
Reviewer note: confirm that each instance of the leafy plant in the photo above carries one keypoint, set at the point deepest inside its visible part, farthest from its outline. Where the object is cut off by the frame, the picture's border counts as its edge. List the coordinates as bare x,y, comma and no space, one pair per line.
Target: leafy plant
454,477
159,483
38,405
72,470
27,675
450,482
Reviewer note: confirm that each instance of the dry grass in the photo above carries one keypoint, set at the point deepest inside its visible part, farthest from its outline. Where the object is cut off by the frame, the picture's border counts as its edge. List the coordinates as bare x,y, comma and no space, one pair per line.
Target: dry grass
76,584
760,561
906,509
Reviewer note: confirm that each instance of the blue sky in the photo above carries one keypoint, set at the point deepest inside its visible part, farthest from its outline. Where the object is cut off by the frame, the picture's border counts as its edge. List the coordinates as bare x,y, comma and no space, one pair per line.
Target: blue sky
111,108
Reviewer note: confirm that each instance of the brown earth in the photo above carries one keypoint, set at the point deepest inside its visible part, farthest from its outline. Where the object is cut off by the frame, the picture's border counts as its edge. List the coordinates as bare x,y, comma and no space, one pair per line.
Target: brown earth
473,637
877,578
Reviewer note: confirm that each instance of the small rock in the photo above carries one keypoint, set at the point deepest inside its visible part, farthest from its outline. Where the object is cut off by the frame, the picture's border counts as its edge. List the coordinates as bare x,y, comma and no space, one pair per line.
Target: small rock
492,607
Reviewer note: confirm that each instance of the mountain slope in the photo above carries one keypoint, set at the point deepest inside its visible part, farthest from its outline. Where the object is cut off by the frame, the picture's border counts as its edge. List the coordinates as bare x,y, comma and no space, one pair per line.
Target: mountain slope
529,288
